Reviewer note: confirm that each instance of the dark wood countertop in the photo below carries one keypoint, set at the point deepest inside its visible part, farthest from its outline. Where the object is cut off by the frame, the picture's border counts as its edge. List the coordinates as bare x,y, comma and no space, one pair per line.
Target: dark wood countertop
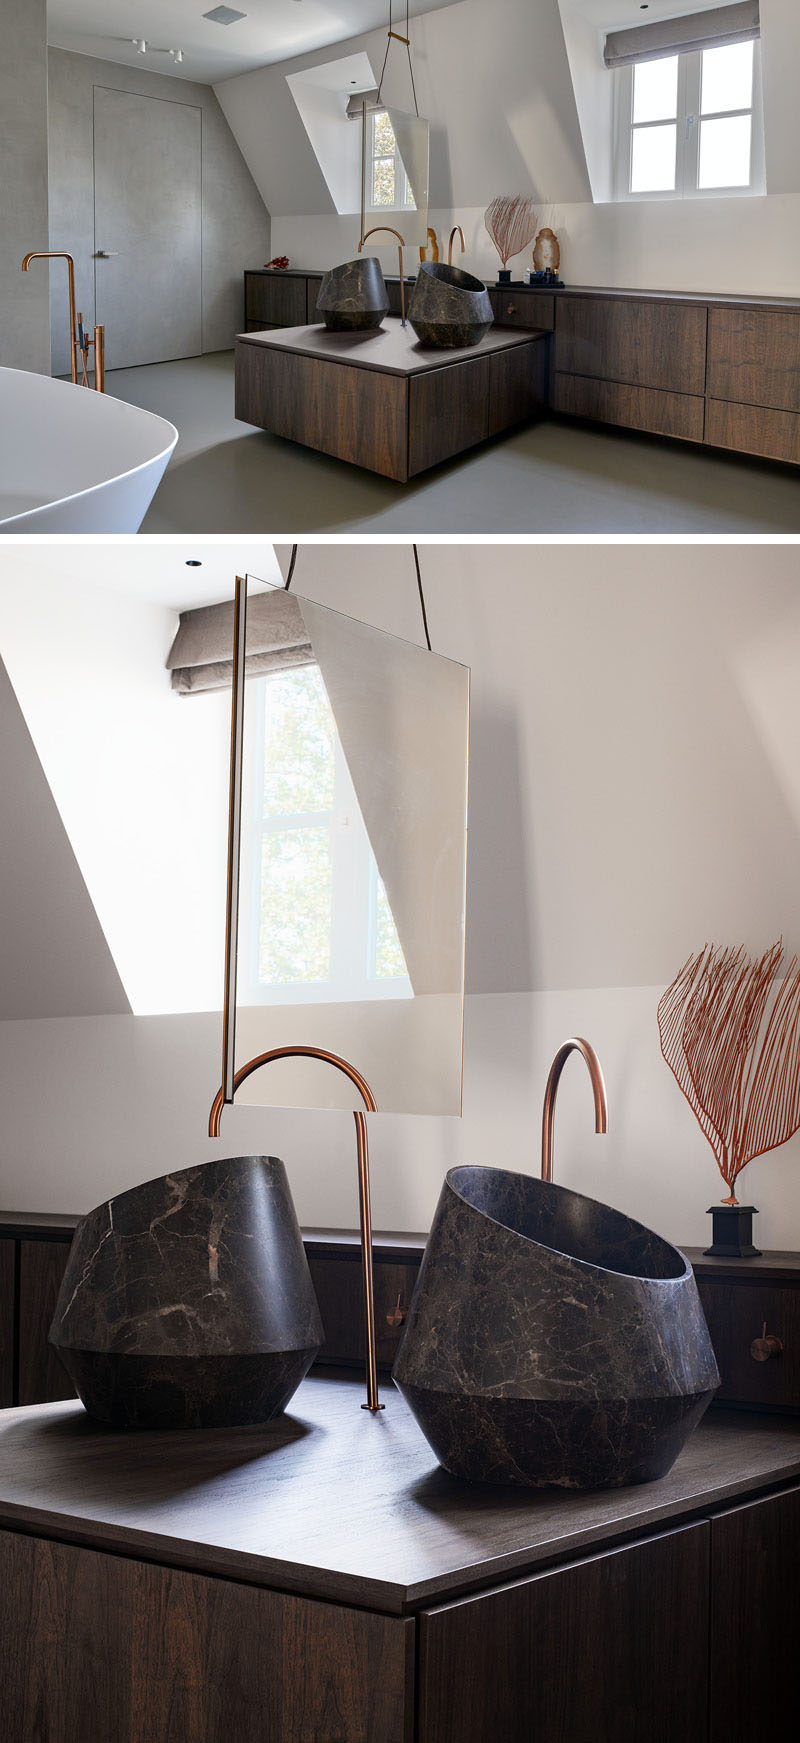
335,1504
713,299
317,272
391,350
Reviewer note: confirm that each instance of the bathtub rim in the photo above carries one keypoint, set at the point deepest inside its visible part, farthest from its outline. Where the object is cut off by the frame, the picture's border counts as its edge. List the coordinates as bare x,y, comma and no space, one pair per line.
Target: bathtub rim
164,453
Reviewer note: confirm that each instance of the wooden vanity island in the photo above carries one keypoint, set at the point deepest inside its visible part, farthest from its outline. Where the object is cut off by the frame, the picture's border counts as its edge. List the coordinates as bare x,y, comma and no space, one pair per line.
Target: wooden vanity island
381,399
321,1580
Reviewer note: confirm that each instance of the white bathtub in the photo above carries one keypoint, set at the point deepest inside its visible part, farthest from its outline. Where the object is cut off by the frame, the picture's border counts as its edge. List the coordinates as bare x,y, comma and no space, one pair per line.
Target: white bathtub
75,461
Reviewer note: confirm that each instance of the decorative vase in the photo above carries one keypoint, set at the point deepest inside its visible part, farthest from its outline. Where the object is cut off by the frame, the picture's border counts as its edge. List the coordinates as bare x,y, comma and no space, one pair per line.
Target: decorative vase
546,252
187,1302
732,1232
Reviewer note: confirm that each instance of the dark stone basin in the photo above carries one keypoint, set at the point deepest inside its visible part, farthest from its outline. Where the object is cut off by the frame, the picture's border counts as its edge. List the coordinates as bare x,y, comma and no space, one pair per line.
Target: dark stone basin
448,306
188,1302
550,1339
353,297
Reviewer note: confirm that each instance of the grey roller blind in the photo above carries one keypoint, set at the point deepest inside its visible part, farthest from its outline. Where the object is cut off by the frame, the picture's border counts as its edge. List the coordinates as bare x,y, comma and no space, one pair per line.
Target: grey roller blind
715,28
201,656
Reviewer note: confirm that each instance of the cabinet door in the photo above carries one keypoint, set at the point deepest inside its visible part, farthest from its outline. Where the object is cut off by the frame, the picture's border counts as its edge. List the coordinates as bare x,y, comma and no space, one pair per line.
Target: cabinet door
752,429
755,1622
634,408
647,344
754,357
275,302
42,1379
522,308
613,1649
517,385
340,1293
104,1649
6,1323
448,412
737,1314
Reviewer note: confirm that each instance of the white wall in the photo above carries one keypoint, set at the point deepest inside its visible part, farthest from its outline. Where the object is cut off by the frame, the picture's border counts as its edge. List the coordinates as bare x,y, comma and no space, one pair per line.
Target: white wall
235,224
635,789
139,775
495,83
24,329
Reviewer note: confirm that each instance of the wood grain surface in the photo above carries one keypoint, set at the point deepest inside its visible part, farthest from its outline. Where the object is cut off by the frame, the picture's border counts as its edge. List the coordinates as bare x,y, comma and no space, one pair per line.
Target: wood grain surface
333,1503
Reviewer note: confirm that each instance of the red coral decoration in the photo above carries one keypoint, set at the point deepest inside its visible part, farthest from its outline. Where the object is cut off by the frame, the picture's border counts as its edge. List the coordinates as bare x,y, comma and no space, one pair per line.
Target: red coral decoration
511,223
730,1033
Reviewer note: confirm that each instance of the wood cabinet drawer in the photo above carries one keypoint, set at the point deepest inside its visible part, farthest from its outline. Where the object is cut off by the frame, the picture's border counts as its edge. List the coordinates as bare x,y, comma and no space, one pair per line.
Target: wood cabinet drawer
42,1379
646,344
275,302
755,1621
517,385
638,408
6,1323
610,1648
522,308
104,1647
736,1314
340,1295
754,357
753,430
312,292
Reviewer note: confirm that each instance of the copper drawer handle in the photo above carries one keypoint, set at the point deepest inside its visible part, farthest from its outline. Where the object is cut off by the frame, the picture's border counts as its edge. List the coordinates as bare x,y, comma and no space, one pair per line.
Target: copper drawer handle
763,1348
512,309
398,1313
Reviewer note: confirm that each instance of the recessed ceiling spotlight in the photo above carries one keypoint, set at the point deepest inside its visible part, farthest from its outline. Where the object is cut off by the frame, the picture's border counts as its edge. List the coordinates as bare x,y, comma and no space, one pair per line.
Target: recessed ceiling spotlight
224,15
176,54
139,44
194,563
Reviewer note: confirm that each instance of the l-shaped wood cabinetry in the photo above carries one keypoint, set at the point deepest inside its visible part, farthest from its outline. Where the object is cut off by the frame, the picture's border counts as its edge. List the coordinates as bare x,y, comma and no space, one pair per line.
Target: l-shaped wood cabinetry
723,371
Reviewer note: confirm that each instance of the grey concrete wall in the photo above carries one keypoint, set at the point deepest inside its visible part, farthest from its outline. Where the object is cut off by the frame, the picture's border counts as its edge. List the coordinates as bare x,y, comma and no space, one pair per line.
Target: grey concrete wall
24,330
236,225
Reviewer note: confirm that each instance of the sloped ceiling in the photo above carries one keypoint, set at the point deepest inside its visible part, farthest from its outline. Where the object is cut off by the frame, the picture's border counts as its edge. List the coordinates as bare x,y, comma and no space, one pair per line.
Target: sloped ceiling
54,960
493,79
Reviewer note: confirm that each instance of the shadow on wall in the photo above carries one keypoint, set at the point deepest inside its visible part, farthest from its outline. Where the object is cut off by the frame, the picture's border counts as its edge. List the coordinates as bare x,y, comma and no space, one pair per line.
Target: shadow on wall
500,954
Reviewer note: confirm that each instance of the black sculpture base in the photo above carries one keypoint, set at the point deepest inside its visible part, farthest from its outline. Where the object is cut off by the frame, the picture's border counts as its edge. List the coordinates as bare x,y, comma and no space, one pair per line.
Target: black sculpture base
553,1443
129,1391
732,1232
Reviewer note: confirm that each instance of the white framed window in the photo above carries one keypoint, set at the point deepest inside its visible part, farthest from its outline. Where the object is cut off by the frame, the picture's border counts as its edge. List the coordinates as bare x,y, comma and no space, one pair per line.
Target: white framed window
315,922
690,125
388,185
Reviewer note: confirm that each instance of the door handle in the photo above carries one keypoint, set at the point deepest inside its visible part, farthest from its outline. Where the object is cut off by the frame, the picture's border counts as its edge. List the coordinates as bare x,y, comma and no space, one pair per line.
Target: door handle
107,254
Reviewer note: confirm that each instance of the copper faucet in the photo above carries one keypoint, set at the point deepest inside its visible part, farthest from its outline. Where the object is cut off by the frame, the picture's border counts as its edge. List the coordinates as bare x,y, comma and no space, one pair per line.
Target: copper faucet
362,1149
79,342
456,231
387,228
548,1112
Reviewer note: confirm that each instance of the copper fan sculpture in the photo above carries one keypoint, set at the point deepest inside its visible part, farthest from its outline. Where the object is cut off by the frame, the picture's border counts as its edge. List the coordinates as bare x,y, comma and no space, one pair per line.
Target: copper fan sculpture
511,222
730,1033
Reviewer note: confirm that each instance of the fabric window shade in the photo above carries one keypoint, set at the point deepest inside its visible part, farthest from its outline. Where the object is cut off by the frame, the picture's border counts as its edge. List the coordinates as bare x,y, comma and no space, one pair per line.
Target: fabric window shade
715,28
201,656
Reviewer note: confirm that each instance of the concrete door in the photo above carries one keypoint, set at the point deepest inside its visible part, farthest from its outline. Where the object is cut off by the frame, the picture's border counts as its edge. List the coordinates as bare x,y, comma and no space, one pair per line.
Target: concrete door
147,227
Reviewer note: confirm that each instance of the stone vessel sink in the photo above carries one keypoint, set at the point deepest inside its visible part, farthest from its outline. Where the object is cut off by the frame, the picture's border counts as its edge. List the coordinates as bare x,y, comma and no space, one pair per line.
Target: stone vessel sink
188,1302
550,1339
448,306
353,297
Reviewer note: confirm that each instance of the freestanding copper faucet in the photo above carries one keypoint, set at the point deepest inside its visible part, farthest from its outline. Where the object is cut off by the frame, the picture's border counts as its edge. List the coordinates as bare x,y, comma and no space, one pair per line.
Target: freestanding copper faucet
362,1147
548,1112
456,231
387,228
79,341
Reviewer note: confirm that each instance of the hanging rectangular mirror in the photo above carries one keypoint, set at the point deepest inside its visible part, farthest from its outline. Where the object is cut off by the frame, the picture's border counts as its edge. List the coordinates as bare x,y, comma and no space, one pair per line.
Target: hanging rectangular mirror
395,149
347,865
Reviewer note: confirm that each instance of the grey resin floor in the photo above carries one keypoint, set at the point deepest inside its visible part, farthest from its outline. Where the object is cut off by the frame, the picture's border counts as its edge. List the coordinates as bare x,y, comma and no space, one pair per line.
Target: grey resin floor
553,477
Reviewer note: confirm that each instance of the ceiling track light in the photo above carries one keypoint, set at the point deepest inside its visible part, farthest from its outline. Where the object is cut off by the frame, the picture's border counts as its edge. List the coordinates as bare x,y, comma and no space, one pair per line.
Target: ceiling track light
143,47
